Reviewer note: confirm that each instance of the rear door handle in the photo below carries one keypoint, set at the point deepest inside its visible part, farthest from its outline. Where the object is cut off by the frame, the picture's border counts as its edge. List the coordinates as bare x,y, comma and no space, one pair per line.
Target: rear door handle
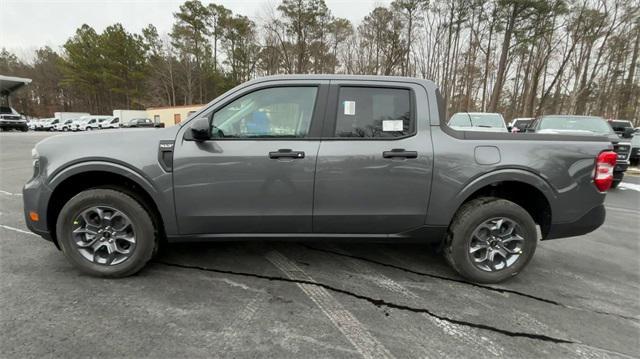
400,152
286,153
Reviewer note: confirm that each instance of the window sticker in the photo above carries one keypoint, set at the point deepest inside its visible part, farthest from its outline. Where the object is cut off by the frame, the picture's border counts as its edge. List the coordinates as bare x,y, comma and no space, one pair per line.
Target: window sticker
350,108
392,125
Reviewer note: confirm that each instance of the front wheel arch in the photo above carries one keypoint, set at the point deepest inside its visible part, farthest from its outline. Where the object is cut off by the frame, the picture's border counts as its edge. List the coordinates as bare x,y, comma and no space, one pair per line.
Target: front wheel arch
79,182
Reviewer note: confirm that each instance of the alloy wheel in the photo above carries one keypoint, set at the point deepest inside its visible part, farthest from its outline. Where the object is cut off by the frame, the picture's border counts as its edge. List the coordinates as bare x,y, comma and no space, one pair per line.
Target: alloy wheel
104,235
496,244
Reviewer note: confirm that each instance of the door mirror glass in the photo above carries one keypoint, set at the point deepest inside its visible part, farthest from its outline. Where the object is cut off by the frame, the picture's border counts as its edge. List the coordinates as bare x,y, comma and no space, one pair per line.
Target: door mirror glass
200,129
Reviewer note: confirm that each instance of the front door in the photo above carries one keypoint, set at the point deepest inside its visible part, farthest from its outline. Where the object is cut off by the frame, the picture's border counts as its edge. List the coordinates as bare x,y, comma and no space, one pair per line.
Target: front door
256,173
374,169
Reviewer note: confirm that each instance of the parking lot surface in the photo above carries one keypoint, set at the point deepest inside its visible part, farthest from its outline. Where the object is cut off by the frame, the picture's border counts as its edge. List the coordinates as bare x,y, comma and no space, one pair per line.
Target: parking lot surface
579,297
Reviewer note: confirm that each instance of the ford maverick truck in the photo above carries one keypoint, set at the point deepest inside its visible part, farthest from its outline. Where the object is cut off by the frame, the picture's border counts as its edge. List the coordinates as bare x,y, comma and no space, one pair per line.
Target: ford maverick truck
324,157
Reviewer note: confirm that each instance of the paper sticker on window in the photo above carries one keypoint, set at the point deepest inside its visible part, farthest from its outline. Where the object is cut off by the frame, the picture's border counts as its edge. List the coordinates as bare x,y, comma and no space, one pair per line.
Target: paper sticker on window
350,108
392,125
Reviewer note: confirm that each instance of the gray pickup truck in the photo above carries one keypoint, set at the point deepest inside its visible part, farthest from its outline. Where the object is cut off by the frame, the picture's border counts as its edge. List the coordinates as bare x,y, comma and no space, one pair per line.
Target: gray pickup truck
330,157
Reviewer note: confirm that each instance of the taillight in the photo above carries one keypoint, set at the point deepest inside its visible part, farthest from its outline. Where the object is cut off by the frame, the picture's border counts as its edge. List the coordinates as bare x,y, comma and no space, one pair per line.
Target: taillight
605,163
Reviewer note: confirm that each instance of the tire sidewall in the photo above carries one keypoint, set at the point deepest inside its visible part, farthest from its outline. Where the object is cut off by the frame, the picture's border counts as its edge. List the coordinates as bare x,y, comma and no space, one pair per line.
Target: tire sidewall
142,226
462,236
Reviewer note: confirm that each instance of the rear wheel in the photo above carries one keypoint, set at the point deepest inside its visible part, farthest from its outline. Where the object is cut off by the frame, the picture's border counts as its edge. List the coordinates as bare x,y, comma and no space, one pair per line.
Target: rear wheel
104,232
490,240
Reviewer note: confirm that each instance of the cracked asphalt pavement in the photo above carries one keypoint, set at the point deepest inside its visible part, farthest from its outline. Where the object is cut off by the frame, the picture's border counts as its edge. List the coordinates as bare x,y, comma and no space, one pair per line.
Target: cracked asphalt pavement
579,297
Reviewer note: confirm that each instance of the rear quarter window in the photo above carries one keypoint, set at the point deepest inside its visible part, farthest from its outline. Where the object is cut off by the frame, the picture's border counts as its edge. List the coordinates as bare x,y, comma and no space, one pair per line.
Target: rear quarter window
369,112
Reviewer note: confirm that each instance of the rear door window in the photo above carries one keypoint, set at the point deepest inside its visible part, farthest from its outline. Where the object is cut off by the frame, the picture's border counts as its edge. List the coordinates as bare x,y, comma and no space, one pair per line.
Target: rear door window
371,112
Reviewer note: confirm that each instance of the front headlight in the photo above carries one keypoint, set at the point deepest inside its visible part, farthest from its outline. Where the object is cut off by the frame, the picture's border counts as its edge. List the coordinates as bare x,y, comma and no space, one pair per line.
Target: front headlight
34,154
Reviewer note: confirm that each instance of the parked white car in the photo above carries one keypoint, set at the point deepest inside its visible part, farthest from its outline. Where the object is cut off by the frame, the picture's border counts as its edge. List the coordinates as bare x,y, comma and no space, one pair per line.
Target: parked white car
87,124
478,121
64,126
114,122
92,122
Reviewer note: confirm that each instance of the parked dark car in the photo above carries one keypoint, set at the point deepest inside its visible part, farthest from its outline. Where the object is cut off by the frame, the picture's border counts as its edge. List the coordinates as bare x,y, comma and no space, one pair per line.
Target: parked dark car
321,157
590,126
622,128
138,122
519,125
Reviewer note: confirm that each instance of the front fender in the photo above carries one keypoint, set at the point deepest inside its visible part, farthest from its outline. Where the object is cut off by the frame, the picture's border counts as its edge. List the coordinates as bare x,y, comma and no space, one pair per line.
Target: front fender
159,188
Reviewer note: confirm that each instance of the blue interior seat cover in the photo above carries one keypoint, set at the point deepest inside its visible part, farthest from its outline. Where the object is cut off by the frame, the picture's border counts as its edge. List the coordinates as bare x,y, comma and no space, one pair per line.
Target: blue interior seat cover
258,124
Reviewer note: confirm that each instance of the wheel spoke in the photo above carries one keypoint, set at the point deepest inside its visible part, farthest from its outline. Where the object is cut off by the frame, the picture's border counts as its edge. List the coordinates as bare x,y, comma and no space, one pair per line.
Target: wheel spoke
85,230
111,255
478,246
515,237
125,236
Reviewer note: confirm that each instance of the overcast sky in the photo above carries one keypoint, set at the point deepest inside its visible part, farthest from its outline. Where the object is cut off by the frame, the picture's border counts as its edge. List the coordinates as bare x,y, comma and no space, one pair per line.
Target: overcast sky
26,25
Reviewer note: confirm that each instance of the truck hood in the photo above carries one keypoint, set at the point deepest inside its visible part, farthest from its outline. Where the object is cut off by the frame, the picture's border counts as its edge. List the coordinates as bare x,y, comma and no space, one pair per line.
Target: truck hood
120,145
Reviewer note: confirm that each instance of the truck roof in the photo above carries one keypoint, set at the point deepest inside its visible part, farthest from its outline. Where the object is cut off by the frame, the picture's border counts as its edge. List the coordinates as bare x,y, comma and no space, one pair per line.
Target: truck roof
343,77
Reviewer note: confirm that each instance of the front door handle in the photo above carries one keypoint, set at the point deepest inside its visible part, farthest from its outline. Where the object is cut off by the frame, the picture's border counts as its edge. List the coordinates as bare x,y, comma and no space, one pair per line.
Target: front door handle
286,153
399,152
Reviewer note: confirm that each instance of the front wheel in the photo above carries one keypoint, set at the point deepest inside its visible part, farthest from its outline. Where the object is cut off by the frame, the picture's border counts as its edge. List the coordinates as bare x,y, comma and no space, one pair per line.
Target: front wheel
490,240
106,233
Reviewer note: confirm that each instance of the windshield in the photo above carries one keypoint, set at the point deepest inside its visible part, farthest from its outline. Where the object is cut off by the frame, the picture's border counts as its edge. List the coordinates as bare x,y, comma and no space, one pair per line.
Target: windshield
490,120
569,123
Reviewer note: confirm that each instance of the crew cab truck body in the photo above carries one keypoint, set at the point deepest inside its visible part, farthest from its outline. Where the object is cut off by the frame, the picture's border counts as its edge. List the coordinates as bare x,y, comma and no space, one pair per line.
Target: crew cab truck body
317,157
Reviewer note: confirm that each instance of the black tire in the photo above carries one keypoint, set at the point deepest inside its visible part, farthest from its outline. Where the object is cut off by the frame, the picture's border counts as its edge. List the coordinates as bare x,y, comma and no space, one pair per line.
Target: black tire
615,183
465,222
140,219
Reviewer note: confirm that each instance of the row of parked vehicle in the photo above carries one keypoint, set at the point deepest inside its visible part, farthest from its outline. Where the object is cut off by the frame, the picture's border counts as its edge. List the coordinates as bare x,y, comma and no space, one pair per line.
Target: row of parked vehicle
87,123
623,136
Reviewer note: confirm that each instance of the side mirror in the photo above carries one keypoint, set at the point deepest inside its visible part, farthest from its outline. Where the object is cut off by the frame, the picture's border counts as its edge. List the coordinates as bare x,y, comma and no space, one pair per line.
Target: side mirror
530,130
628,132
509,128
201,129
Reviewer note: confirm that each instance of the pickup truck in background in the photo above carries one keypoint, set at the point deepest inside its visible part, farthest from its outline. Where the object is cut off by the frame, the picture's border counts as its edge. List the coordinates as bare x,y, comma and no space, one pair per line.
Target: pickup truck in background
11,119
622,128
589,126
318,156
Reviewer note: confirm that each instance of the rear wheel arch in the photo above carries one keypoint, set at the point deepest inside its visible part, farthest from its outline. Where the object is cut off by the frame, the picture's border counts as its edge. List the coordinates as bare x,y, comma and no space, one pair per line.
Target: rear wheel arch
523,188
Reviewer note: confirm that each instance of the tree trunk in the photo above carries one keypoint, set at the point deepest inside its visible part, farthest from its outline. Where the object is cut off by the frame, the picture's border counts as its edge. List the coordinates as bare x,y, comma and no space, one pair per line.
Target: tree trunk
502,65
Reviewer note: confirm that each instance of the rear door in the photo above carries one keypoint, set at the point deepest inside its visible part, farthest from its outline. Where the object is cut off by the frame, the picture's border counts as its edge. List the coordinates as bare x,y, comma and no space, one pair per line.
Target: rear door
256,174
375,162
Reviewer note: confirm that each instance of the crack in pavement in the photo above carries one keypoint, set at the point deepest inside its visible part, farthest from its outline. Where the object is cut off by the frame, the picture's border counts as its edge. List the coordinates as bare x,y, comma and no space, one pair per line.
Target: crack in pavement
380,303
494,289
